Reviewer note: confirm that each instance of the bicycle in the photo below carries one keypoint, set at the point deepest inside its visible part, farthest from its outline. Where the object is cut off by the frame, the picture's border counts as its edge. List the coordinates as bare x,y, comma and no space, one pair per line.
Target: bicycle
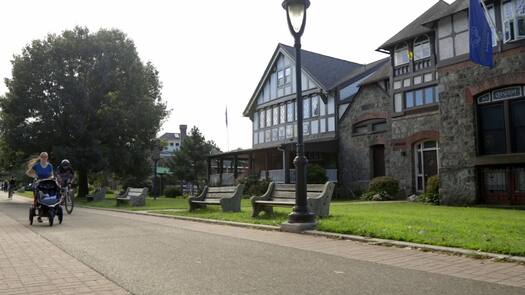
67,198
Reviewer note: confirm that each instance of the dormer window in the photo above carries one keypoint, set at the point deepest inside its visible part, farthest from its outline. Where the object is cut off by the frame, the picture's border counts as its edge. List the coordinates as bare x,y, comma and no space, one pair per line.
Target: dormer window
284,77
280,78
421,48
401,55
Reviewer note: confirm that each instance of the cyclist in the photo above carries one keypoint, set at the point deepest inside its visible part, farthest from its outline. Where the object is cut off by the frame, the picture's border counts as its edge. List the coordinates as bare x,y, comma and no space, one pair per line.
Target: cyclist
12,186
39,168
65,172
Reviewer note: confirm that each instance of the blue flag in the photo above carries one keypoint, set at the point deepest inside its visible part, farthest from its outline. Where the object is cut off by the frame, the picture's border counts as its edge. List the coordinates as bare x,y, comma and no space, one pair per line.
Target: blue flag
480,35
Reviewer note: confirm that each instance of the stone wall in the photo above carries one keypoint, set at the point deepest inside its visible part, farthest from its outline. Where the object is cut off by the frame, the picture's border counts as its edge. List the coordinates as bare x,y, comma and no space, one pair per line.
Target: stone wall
372,102
407,131
459,85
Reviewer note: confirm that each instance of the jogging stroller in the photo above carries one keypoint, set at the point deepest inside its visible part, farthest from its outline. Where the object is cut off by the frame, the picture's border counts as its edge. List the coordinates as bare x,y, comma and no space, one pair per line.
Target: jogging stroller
47,201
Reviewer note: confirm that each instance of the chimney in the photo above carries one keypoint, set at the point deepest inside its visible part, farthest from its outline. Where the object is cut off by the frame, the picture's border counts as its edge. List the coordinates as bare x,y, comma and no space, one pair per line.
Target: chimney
182,132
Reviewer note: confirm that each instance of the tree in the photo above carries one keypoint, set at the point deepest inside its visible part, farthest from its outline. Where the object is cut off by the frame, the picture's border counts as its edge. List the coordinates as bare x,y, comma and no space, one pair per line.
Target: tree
190,162
86,97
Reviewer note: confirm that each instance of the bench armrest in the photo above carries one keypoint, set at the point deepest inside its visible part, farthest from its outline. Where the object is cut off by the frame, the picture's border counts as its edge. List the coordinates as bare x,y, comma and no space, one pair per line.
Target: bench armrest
200,197
327,191
267,195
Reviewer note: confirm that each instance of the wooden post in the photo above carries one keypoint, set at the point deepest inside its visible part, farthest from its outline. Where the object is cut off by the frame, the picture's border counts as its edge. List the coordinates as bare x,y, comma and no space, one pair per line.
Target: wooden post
235,166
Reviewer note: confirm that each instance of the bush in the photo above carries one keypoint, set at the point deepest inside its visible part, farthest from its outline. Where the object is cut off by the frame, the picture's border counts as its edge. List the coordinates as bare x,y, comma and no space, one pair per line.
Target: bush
384,184
172,191
375,196
253,186
431,194
316,174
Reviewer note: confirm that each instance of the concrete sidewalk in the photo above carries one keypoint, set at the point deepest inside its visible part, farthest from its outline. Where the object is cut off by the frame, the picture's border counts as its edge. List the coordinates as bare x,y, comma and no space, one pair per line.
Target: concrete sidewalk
30,264
484,270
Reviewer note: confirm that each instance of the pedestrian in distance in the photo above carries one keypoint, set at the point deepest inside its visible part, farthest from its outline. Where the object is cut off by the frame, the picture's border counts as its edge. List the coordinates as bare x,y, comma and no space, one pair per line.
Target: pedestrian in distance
11,187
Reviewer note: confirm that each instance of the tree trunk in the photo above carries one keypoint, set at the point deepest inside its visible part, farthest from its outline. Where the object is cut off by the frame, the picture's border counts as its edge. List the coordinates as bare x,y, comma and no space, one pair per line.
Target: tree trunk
82,183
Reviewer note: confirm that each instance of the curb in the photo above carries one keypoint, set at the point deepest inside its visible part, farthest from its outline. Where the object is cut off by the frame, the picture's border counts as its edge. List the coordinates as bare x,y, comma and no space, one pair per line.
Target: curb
336,236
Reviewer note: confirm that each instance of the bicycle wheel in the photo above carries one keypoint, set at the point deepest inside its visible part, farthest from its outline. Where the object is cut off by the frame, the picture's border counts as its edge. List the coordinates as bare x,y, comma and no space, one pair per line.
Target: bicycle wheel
70,203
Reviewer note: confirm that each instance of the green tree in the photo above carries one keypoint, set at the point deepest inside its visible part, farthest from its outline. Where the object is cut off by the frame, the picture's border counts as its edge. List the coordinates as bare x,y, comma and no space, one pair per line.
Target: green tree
189,163
86,97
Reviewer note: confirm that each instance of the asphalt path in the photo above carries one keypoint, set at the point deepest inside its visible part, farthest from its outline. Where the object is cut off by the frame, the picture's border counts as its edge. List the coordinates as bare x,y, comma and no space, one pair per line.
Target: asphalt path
150,258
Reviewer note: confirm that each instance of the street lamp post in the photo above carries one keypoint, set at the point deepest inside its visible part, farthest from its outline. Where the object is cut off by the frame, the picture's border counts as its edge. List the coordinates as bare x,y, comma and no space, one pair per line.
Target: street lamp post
300,219
155,156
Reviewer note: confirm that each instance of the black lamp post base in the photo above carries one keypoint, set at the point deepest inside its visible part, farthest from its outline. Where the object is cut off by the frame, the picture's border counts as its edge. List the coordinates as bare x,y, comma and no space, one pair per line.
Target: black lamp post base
299,220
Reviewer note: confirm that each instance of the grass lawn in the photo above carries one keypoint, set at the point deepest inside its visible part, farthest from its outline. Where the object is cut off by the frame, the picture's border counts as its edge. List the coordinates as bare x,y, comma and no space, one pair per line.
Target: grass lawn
485,229
161,203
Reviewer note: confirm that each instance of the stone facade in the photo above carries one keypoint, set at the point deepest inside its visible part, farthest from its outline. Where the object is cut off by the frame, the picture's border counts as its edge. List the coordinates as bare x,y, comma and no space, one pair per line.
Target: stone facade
460,83
372,102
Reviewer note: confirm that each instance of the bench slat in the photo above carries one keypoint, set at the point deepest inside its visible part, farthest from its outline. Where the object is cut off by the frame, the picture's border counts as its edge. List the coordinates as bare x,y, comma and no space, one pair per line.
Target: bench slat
284,203
222,189
291,187
214,202
218,195
291,195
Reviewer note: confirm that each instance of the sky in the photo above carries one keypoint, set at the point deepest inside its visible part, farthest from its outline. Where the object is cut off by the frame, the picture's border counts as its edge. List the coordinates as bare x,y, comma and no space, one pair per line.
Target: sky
211,54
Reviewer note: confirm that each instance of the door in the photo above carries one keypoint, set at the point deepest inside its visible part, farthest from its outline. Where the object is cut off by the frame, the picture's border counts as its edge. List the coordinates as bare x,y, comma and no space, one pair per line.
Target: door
426,163
378,160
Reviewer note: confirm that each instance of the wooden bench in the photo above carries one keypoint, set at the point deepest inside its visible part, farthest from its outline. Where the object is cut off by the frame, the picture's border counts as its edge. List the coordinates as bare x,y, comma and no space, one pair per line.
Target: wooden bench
135,196
318,196
100,194
228,197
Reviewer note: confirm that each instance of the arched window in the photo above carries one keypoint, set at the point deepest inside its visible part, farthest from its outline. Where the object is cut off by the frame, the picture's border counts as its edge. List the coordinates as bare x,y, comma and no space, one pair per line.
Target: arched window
401,55
421,47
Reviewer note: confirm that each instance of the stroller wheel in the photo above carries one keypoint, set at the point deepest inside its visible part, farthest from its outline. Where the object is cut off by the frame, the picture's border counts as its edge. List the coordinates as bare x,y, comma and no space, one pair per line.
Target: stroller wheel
51,216
31,215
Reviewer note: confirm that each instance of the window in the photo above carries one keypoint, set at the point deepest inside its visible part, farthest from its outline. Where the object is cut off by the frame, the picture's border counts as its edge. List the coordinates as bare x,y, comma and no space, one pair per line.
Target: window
171,143
517,109
513,17
492,129
501,123
401,56
323,125
276,115
315,127
281,133
420,97
287,75
289,131
421,48
406,83
331,105
290,111
255,138
268,117
453,36
331,124
275,134
306,128
315,106
428,77
282,110
306,108
370,126
418,80
261,137
255,121
268,135
280,78
398,102
262,118
177,144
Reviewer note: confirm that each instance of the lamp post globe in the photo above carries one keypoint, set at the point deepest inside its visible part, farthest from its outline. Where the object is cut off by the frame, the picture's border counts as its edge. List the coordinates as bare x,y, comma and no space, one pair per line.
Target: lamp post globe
300,219
296,15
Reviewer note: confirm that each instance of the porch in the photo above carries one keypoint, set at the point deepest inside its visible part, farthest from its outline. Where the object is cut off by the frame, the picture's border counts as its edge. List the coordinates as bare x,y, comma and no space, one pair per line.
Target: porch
271,163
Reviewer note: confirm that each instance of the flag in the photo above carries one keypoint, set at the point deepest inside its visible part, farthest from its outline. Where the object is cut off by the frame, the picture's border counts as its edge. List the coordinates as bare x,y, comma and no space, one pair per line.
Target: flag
226,115
480,35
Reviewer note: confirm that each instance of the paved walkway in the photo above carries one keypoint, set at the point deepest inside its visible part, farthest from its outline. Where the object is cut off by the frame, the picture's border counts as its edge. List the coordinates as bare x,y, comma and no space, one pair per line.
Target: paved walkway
486,270
30,264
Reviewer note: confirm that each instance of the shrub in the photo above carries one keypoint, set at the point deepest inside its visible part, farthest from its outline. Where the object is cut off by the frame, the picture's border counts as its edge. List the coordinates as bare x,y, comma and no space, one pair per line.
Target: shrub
375,196
386,184
172,191
253,186
316,174
431,194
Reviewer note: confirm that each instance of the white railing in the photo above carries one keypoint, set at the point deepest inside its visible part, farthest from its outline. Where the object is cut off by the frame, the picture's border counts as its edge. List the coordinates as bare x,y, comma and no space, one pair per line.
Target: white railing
276,176
227,179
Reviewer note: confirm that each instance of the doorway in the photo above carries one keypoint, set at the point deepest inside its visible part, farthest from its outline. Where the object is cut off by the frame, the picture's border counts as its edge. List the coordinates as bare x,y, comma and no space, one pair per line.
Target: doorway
426,163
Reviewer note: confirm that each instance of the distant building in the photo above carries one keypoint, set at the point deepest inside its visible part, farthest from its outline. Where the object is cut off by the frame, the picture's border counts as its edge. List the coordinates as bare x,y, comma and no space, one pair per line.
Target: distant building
172,142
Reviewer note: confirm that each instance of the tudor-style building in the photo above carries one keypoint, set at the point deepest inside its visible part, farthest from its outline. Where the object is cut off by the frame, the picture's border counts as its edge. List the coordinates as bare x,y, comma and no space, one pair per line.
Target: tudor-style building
272,110
443,113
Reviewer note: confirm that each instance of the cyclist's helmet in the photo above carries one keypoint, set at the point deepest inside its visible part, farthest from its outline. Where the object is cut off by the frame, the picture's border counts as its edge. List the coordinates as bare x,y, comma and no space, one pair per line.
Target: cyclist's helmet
65,162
